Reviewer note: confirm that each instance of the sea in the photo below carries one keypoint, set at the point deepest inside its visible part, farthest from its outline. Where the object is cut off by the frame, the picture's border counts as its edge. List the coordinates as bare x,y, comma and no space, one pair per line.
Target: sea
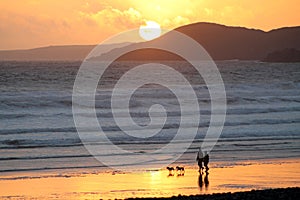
38,133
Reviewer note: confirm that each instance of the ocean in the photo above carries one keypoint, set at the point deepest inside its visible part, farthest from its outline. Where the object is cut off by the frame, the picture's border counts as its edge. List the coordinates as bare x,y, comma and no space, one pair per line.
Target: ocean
37,131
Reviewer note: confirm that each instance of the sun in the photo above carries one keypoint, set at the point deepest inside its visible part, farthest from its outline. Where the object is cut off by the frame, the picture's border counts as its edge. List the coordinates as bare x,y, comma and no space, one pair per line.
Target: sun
150,31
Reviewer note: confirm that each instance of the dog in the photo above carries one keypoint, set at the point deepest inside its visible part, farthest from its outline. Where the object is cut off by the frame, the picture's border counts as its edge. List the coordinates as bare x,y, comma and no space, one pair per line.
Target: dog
181,169
170,169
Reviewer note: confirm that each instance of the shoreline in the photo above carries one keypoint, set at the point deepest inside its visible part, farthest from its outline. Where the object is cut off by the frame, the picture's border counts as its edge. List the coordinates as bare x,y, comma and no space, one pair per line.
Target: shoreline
276,193
96,170
222,178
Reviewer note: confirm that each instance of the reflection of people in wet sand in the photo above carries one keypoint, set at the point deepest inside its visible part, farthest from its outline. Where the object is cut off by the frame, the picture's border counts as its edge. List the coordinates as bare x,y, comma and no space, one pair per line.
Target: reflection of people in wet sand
200,180
206,181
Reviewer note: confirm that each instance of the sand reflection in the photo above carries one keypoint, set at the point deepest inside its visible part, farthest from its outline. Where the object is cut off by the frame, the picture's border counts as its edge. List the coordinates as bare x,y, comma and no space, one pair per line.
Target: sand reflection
220,178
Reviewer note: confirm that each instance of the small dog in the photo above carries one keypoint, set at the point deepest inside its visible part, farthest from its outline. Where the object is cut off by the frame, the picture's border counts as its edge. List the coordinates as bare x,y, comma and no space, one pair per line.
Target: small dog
170,169
181,169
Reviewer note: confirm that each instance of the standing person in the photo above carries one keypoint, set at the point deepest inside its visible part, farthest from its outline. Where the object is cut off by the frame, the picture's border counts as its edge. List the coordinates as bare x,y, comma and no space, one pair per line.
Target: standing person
199,159
206,160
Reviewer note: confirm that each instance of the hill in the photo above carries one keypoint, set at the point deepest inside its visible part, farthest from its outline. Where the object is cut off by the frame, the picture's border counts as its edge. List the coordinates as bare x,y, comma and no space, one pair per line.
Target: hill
56,53
221,42
70,52
285,55
224,42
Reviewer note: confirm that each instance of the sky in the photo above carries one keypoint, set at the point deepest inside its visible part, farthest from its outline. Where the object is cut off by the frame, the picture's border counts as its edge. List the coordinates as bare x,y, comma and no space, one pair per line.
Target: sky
34,23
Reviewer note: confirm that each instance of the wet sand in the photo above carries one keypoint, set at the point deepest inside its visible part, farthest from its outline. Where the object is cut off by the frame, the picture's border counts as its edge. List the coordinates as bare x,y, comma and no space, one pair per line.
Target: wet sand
243,176
269,194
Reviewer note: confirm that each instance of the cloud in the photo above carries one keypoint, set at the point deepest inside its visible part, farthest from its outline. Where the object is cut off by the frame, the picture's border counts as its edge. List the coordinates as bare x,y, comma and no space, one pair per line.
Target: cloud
175,22
115,18
32,23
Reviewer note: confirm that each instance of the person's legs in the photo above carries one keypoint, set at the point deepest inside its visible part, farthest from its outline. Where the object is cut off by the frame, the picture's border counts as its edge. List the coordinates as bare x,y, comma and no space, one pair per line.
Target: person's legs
200,165
206,166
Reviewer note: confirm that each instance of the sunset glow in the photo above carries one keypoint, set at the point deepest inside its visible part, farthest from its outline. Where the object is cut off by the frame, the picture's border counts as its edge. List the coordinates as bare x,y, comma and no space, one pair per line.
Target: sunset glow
123,185
32,23
165,99
150,31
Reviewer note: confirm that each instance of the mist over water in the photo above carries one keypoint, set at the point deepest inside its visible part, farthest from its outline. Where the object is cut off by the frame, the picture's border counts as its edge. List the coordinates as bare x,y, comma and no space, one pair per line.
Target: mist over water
37,130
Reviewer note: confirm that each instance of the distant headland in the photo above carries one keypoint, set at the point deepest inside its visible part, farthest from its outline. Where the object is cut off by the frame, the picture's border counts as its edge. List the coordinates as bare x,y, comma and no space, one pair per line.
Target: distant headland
220,41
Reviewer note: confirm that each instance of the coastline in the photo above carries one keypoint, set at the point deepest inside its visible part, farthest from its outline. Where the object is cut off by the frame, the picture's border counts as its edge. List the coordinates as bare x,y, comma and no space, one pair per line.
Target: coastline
222,178
278,193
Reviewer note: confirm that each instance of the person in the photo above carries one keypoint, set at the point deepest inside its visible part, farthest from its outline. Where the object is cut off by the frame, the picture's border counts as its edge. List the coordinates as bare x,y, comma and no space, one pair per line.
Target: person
200,160
206,160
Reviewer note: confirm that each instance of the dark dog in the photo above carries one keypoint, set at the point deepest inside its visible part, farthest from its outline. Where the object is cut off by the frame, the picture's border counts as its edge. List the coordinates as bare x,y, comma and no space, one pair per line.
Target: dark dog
170,169
181,169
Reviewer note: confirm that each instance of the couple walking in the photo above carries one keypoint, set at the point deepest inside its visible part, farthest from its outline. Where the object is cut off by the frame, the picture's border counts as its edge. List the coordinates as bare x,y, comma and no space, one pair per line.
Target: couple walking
202,158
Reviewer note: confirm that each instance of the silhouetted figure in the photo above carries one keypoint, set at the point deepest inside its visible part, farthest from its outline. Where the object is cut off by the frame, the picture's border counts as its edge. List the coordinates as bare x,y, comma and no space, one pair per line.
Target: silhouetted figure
200,181
206,161
199,159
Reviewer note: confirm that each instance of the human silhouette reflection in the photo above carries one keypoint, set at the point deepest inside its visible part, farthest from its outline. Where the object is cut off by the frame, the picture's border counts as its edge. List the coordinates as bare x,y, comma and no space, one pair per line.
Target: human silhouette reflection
202,180
206,181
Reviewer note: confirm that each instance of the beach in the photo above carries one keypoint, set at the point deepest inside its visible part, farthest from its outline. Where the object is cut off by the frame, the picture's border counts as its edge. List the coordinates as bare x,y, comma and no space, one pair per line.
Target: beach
43,157
280,194
222,178
103,100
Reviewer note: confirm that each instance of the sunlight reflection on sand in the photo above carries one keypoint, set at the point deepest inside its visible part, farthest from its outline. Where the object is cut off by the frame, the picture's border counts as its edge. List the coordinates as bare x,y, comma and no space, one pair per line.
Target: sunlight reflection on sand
241,177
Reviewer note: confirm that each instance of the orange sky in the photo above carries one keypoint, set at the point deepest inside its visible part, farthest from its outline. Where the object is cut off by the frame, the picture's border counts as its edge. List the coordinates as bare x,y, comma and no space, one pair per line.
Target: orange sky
35,23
